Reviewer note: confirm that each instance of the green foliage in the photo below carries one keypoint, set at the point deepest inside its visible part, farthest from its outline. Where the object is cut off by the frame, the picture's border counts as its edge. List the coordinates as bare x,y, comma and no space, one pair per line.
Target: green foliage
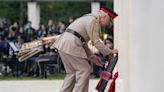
63,10
57,11
12,11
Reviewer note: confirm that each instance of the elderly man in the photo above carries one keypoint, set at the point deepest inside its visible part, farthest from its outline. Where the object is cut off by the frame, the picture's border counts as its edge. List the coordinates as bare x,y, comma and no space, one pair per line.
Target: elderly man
74,52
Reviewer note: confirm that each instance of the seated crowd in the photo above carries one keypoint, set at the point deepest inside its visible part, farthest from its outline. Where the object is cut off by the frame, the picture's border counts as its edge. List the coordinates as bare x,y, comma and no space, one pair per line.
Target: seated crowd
38,65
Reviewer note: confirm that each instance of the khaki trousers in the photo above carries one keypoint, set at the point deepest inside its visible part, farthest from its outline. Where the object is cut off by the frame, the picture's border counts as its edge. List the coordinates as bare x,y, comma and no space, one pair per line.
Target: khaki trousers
77,73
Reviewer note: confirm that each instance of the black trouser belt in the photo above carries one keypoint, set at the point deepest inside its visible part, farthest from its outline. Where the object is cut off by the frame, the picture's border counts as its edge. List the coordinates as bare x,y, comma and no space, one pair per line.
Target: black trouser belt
76,34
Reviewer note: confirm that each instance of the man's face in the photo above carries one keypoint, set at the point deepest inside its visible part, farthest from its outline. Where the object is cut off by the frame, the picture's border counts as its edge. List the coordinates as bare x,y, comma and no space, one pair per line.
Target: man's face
106,20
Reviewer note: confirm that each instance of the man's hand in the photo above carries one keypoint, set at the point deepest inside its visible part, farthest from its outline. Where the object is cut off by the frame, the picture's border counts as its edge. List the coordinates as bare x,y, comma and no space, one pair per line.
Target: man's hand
115,51
96,60
110,56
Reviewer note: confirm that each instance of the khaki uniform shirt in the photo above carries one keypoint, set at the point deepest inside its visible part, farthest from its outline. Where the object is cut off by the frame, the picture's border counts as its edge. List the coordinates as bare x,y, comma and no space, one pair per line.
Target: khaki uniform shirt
72,45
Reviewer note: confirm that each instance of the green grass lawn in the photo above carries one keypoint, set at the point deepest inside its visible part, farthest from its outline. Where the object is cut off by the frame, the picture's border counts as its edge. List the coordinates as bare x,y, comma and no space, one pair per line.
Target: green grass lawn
50,77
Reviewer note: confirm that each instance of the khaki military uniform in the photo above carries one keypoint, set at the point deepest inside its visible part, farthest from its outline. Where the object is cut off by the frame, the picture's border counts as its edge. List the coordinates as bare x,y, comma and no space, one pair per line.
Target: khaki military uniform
74,54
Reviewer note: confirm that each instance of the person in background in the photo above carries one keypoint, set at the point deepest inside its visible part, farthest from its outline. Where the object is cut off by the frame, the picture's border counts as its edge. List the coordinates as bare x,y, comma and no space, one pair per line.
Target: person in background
13,30
21,32
4,30
29,32
61,27
49,29
41,32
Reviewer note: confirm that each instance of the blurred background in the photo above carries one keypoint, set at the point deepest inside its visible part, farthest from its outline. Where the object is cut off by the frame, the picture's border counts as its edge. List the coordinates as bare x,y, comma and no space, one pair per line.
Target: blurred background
24,21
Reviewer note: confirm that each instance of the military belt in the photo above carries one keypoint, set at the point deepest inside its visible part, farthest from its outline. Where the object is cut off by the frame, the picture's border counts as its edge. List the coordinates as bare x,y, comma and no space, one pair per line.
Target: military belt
76,34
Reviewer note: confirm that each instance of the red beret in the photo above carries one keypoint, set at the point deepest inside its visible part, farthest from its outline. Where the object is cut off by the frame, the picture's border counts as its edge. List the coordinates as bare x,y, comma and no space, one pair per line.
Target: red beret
112,14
